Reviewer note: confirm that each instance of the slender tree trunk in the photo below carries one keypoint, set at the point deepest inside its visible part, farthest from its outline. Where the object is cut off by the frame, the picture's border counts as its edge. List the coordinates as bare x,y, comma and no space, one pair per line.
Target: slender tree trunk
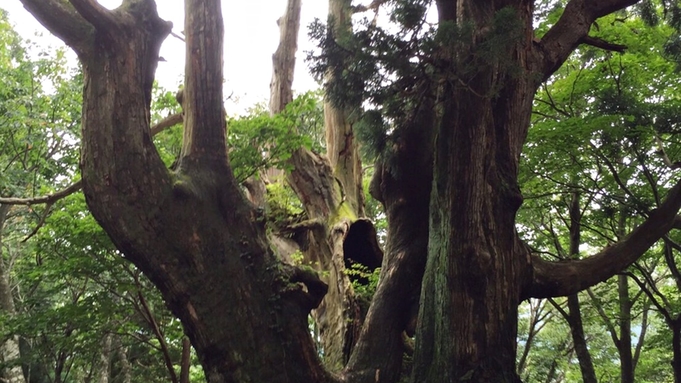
9,349
579,341
123,361
537,321
185,361
676,348
624,346
105,356
575,314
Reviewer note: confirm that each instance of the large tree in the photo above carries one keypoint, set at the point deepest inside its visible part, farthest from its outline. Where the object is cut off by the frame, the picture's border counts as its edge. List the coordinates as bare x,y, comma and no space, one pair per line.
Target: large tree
447,180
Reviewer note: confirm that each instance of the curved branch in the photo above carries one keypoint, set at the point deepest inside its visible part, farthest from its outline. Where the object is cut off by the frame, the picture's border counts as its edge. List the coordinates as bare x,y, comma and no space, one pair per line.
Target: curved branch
572,29
552,279
61,20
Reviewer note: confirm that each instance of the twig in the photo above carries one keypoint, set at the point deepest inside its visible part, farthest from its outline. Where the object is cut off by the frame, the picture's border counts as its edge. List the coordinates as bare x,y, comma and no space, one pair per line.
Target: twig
48,199
40,224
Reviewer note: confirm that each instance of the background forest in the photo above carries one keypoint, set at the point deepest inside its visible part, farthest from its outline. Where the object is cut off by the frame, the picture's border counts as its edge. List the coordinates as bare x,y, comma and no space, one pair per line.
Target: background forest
602,151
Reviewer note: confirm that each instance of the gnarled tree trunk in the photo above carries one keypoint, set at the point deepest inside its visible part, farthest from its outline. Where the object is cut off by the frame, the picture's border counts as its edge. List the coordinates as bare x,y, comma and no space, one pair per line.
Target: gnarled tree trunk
205,247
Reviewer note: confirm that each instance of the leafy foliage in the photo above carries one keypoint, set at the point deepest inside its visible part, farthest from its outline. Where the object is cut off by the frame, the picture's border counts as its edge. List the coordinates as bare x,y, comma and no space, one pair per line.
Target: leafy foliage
260,141
601,129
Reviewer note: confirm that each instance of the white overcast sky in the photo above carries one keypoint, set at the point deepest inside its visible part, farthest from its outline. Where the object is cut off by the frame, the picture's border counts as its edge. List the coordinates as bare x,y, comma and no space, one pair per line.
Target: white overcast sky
251,37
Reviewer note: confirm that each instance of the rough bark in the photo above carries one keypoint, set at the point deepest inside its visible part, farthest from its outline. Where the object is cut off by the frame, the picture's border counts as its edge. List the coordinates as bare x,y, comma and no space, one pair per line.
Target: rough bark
341,145
284,58
404,195
476,263
323,246
191,232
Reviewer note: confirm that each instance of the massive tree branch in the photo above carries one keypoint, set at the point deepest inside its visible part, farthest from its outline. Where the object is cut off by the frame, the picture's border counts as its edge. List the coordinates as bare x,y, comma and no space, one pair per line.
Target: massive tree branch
572,29
61,20
553,279
204,115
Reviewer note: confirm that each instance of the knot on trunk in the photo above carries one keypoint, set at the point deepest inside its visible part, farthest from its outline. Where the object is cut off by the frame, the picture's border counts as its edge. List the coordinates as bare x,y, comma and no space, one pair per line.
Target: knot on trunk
304,287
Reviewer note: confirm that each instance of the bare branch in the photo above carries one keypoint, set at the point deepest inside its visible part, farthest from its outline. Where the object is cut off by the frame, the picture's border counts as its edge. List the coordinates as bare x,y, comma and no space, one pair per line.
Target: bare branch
553,279
572,29
40,224
600,43
162,125
170,121
61,20
49,199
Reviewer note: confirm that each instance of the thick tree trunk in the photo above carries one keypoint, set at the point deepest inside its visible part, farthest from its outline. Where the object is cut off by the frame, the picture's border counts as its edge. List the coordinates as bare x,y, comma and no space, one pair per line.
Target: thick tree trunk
199,241
476,263
379,351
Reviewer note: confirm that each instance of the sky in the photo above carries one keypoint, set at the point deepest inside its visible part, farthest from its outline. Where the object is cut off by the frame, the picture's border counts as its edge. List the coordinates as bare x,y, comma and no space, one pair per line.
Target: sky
251,37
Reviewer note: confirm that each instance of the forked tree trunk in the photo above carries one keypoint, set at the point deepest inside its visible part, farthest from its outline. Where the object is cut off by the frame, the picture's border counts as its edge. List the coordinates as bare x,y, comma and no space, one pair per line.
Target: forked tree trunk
341,145
191,232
